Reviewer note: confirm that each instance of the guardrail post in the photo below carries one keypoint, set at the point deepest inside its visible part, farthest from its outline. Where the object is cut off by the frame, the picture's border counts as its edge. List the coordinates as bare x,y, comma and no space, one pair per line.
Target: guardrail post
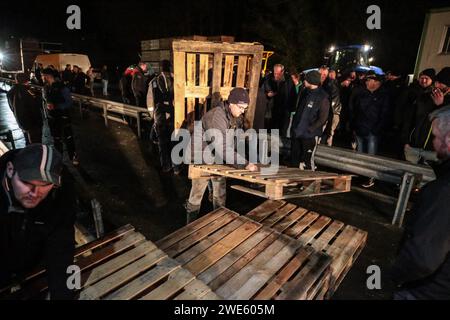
138,123
105,114
408,182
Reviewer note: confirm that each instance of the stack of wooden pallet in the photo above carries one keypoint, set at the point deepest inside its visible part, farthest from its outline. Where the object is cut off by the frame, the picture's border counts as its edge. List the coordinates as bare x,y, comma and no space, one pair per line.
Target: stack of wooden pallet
343,243
239,258
286,183
122,266
156,50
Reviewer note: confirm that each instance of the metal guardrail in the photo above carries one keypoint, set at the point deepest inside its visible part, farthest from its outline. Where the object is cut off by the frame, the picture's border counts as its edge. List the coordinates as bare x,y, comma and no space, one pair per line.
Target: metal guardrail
108,107
405,174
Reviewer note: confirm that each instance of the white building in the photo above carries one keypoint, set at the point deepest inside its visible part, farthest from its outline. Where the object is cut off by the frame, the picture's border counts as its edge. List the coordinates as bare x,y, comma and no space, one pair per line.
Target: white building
434,49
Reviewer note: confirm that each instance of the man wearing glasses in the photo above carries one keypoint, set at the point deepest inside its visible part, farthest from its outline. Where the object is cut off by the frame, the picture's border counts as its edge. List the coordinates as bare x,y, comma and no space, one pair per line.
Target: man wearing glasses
36,218
226,116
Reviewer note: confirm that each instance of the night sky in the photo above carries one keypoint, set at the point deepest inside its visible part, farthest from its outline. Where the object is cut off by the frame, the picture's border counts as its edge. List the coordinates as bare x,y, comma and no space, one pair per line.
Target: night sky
298,31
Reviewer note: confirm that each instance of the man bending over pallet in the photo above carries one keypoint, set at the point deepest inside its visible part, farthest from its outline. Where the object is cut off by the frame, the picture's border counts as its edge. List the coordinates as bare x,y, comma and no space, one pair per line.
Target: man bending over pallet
224,117
36,219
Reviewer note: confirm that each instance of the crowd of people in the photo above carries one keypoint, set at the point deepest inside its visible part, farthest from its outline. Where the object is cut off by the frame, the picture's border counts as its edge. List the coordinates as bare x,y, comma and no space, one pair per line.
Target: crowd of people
307,108
366,109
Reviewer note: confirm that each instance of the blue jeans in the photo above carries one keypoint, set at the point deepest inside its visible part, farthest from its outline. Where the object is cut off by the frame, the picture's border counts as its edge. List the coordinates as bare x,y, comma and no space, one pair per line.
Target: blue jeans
367,144
105,87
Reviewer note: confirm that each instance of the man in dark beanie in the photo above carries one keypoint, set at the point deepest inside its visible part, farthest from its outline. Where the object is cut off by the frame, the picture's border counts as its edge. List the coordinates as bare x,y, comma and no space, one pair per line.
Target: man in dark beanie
37,215
26,104
226,116
313,106
417,133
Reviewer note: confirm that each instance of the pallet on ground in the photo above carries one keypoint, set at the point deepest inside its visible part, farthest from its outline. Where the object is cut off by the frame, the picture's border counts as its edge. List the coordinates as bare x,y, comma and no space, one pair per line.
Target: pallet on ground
343,243
239,258
123,266
284,183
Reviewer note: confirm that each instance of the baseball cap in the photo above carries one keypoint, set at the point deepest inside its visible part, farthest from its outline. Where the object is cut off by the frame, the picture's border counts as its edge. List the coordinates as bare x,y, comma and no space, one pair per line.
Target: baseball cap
39,162
238,96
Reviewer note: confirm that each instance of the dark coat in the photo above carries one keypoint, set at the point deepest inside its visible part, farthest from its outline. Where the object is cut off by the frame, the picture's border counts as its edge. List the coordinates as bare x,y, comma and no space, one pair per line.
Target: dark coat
423,264
312,113
369,112
40,236
26,106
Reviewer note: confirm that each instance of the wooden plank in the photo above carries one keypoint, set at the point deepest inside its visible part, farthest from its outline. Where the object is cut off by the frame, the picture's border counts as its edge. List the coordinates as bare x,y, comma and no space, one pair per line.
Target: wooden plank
265,209
274,191
110,250
241,71
208,242
180,234
250,191
209,47
272,263
297,288
228,71
195,290
238,265
323,241
227,261
105,269
122,231
120,277
228,289
211,296
290,219
177,280
179,64
301,225
284,275
136,287
314,229
217,77
278,215
203,78
190,81
221,248
254,81
200,234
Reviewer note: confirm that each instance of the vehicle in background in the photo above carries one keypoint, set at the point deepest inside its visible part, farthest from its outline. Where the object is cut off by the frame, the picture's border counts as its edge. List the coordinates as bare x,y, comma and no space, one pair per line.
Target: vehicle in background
353,57
60,60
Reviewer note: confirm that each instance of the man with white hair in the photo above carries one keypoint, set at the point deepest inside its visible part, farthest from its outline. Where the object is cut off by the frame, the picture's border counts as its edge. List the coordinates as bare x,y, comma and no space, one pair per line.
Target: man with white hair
422,268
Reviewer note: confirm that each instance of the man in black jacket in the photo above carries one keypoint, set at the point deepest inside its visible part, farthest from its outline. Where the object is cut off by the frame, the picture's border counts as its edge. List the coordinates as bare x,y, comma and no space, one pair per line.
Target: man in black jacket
368,115
307,125
139,85
422,268
36,218
26,104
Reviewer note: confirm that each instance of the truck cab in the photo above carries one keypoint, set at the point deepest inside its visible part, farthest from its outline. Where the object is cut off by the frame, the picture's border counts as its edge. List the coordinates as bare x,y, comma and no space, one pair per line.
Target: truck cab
356,57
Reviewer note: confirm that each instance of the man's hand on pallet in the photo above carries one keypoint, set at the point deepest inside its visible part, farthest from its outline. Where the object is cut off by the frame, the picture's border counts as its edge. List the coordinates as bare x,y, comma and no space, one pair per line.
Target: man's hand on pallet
252,167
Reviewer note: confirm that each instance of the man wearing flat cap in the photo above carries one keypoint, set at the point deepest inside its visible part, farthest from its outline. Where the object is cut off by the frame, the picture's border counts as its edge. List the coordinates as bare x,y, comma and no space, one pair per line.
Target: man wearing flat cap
227,115
311,114
37,218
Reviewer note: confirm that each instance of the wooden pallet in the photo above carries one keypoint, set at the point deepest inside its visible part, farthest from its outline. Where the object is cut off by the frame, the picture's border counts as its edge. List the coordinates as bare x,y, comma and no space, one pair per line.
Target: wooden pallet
239,258
123,266
342,242
206,71
286,183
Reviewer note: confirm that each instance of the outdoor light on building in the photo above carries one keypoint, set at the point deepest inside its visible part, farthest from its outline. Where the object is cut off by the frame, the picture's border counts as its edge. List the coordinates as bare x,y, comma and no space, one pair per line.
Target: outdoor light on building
331,49
366,48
